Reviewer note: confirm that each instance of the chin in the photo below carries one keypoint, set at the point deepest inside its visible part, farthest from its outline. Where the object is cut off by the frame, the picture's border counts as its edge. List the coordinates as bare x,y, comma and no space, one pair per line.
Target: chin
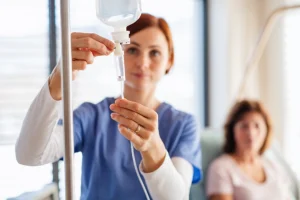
249,148
137,85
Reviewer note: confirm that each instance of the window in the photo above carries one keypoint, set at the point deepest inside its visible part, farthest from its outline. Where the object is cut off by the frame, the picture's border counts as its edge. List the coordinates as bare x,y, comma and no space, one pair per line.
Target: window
23,71
180,88
291,89
16,179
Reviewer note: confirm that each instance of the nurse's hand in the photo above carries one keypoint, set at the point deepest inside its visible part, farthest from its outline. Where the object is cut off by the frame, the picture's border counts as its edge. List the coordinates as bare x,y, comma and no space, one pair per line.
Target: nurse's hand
85,47
139,124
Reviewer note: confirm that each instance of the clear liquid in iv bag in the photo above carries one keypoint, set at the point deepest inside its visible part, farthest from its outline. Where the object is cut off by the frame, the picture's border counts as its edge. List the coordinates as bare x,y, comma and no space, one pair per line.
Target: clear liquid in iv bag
118,13
118,21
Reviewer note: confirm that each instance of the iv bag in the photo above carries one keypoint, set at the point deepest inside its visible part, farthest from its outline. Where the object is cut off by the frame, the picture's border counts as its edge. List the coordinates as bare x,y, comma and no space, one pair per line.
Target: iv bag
118,14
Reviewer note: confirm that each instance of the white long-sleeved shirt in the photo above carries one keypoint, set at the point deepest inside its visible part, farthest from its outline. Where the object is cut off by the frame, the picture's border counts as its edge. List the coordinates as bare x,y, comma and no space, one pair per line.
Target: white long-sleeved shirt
41,141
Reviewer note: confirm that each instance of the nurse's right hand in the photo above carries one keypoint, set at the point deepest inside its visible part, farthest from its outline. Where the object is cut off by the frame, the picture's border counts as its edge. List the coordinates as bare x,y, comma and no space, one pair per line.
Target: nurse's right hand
85,47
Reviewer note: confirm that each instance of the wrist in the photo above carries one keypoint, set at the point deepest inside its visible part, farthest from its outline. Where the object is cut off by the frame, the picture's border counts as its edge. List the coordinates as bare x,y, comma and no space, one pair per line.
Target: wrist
153,158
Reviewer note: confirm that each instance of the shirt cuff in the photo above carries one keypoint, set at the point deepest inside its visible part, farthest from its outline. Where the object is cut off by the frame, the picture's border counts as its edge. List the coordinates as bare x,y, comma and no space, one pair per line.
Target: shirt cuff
158,173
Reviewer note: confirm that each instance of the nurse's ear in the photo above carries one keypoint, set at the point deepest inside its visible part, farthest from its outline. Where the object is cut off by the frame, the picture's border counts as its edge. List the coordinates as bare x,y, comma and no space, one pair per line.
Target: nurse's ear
169,67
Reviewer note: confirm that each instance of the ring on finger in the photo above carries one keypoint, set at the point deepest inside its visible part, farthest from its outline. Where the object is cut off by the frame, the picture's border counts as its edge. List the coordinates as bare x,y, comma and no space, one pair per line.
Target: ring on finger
138,128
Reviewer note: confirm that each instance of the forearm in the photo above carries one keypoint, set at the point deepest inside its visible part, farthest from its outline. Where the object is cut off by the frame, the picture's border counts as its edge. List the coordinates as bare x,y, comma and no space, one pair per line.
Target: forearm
37,136
152,160
168,181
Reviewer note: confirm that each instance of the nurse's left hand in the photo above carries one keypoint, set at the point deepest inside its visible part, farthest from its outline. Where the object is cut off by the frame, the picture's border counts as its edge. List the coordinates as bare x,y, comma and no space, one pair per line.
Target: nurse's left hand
139,124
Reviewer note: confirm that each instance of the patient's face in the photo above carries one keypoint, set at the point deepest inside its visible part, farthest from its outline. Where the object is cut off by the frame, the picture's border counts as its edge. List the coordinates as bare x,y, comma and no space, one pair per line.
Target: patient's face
250,132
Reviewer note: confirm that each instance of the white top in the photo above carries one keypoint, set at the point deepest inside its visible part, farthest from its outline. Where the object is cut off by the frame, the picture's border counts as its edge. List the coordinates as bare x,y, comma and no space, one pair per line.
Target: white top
225,177
41,142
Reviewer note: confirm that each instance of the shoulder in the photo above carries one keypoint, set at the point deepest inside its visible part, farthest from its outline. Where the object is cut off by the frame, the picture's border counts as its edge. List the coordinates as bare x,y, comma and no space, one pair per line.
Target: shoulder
271,165
178,124
275,169
169,113
219,178
221,163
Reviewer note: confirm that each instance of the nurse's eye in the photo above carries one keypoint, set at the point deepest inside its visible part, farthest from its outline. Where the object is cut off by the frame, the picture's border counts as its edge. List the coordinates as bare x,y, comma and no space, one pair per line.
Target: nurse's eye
154,53
132,50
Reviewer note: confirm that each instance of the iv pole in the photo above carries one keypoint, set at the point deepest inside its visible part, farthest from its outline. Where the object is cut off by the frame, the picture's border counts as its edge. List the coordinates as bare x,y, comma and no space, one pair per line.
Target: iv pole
66,80
260,46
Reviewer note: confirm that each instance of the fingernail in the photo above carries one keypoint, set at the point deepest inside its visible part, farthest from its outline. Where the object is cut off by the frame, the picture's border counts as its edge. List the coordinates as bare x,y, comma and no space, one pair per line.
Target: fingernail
112,106
113,115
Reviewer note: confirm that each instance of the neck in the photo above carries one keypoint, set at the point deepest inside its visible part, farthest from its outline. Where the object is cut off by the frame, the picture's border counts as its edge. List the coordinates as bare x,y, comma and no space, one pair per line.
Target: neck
246,157
144,97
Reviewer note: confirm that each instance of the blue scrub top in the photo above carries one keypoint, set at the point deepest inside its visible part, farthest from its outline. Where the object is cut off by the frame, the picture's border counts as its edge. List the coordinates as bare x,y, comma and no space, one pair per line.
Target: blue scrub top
107,167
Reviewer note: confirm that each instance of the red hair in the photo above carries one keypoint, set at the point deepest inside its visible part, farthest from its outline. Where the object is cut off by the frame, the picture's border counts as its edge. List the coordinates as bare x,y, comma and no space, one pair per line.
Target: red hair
147,21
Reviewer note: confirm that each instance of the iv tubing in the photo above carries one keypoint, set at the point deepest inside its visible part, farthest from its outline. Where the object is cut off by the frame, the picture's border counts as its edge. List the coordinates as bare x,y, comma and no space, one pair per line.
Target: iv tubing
137,172
119,54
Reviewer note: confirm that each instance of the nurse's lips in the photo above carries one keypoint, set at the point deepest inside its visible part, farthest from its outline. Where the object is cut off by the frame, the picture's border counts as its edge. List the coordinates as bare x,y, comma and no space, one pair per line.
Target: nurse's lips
140,75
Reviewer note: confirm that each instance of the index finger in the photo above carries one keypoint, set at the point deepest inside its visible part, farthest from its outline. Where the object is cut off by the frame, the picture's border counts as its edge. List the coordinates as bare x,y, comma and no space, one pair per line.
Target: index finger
136,107
109,44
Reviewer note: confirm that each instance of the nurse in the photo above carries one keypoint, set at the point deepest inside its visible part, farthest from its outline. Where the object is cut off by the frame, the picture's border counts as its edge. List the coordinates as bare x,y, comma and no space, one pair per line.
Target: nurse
166,140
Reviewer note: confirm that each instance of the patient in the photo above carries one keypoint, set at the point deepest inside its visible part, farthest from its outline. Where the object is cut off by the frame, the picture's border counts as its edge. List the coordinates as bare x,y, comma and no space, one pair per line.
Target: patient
242,173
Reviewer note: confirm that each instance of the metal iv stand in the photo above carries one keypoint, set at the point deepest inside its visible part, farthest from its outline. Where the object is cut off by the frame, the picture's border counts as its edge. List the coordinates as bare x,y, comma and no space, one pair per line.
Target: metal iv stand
66,80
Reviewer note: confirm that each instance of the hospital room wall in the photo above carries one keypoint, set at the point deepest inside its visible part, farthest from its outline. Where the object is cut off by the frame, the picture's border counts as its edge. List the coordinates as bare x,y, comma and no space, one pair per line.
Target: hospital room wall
233,30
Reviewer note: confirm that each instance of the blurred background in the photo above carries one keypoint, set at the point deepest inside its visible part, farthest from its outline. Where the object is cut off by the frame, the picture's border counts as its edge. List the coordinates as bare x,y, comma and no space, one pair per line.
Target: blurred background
213,40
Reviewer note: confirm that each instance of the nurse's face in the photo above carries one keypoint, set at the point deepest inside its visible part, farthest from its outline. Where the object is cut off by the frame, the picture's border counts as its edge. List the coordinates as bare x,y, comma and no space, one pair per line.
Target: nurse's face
147,58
